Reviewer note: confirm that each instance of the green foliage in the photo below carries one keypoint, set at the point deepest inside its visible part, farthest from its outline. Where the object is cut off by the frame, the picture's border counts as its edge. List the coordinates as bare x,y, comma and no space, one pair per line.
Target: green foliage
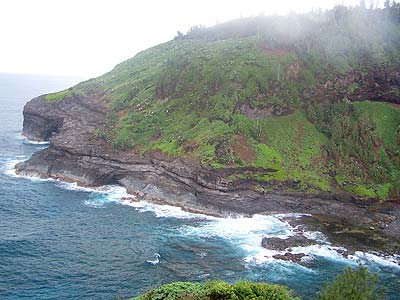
195,95
362,142
357,284
298,143
173,291
385,117
218,290
53,97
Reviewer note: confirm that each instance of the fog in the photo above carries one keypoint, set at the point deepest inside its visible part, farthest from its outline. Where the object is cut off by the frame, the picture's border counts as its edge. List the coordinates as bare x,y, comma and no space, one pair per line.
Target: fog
87,38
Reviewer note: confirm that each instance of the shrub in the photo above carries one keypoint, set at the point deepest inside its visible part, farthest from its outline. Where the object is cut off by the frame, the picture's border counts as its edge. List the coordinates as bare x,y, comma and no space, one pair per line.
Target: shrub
218,290
352,284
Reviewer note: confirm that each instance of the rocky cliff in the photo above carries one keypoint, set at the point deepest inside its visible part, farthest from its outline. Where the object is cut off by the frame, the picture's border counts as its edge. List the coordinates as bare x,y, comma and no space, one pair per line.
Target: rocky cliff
75,154
245,124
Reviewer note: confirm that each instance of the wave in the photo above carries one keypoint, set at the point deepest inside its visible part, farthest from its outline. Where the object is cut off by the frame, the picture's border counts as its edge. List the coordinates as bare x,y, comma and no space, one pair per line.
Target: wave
244,232
25,140
155,260
162,211
392,261
248,232
9,167
100,196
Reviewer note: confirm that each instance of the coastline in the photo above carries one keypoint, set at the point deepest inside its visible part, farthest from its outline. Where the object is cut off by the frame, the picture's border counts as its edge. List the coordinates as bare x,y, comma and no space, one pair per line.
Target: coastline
75,154
300,224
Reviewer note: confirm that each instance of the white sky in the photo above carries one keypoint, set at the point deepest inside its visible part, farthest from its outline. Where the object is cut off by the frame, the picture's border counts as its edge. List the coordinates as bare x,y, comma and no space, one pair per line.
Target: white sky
89,37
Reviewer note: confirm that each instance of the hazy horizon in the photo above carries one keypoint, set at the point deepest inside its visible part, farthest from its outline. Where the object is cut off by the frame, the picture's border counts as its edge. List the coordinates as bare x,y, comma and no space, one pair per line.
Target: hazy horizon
88,38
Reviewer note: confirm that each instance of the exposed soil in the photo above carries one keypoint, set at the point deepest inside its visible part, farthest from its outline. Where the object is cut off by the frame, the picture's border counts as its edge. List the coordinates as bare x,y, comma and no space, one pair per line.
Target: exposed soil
122,113
293,71
242,149
190,146
395,105
274,52
300,133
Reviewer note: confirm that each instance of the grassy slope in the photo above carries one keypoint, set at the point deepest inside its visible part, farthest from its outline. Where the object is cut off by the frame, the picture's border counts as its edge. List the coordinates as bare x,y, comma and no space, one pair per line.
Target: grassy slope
185,97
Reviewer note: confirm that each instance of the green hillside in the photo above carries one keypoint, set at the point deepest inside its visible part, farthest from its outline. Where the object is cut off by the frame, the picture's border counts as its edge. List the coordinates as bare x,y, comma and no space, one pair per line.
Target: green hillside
286,97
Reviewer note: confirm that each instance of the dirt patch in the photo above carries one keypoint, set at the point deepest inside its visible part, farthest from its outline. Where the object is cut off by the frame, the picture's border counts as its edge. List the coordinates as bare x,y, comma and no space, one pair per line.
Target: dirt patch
377,146
293,71
122,113
273,52
392,201
237,85
190,146
300,133
242,149
395,105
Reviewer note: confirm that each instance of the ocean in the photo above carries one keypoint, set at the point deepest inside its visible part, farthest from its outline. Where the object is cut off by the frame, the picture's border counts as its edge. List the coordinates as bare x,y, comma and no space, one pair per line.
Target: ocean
61,241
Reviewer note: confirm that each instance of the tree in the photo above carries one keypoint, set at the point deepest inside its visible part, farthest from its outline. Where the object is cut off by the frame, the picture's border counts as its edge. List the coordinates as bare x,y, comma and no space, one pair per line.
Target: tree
179,35
352,284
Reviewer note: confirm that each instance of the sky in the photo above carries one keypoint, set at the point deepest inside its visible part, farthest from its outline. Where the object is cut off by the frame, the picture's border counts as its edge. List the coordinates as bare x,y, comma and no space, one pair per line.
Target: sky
87,38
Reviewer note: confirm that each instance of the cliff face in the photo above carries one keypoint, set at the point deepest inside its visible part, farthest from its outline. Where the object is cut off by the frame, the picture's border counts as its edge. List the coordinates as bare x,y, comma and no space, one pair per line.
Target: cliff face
263,121
75,154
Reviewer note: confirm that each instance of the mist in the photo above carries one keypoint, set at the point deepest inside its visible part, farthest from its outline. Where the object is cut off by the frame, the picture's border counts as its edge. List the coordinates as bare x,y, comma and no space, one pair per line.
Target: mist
88,38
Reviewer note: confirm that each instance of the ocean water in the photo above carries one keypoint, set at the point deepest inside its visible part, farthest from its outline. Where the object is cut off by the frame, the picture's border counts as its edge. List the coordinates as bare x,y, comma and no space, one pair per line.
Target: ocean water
60,241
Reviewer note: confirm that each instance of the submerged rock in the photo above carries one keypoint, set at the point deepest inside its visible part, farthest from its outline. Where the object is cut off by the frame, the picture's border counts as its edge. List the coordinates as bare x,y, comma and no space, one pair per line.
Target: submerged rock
293,257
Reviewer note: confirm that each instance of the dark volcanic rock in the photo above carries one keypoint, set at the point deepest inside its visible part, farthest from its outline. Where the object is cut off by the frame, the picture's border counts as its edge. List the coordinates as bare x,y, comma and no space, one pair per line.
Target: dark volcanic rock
379,83
76,154
279,244
341,232
293,257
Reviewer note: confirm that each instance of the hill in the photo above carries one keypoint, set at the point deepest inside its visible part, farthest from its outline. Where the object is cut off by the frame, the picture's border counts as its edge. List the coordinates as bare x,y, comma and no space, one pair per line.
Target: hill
265,114
294,98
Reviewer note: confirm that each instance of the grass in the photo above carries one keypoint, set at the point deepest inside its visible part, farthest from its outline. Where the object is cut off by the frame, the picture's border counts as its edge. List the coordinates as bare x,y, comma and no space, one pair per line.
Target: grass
53,97
194,97
385,116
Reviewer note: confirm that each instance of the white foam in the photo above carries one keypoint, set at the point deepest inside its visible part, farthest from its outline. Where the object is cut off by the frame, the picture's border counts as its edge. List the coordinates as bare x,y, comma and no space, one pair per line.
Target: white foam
25,140
326,251
162,211
316,236
110,193
155,260
119,194
10,166
242,228
202,254
244,232
387,261
11,171
103,195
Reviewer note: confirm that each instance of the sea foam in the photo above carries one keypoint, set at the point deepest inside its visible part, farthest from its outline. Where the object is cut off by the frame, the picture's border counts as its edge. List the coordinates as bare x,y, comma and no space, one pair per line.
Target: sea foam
244,232
25,140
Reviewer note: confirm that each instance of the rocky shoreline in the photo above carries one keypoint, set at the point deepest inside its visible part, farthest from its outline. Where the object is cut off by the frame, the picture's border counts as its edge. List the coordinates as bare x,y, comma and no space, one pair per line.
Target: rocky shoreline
76,154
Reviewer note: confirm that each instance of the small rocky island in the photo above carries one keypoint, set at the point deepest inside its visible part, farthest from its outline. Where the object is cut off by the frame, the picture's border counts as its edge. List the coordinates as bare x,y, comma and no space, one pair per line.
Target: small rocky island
242,118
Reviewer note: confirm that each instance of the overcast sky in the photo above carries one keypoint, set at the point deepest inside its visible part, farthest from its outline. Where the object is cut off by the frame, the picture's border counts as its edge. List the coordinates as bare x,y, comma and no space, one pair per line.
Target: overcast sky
89,37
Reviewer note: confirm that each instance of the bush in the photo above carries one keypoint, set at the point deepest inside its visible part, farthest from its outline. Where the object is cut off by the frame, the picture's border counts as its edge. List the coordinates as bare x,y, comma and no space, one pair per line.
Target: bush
218,290
353,284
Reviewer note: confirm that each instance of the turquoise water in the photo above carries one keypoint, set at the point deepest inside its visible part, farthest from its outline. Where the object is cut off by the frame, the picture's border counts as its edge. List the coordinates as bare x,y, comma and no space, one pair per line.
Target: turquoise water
59,241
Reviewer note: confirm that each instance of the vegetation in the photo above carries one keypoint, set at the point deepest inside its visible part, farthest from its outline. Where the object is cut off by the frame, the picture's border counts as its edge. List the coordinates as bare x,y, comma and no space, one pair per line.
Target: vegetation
215,290
59,95
356,284
352,284
285,96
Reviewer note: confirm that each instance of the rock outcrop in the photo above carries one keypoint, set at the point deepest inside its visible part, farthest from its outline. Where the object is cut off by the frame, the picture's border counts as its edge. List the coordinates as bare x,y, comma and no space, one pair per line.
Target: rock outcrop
76,154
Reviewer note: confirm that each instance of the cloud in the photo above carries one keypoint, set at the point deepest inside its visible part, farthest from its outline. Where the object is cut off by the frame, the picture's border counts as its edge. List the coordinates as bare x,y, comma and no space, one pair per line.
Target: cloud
87,38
